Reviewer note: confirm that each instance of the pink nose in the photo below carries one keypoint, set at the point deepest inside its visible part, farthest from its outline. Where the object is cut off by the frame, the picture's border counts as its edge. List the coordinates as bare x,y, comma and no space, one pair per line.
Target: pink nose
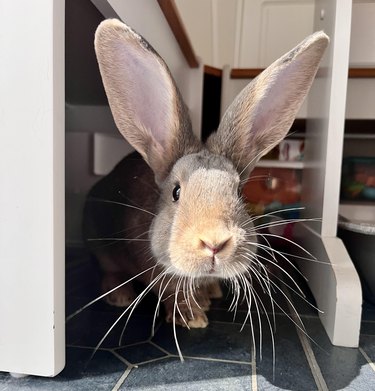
215,247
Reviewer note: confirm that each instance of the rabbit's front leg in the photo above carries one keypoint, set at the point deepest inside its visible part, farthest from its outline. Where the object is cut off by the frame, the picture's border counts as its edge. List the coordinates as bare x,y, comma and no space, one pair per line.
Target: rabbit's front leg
187,309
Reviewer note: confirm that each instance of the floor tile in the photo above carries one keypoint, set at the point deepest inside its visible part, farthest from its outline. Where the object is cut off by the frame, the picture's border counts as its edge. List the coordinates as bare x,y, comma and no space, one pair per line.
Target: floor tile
100,373
140,353
91,327
218,340
367,343
342,368
290,371
216,358
191,375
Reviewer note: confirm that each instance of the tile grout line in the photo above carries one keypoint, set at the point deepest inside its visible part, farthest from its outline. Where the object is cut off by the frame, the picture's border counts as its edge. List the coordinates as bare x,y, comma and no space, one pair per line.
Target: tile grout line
306,346
368,359
215,360
311,359
123,377
254,378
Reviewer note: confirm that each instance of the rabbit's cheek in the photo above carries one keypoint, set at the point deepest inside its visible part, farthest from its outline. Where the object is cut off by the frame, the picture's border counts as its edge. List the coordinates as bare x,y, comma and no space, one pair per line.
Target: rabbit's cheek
160,234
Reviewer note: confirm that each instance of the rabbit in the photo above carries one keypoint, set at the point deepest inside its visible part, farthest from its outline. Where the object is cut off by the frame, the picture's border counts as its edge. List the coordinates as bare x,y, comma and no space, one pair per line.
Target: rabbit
171,214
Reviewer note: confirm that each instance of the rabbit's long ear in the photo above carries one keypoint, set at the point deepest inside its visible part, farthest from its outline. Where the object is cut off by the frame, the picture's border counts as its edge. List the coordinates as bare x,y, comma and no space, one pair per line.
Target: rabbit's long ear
263,112
143,97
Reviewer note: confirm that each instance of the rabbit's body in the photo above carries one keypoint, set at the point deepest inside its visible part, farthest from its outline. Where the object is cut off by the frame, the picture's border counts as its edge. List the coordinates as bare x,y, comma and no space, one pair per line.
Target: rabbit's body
112,222
125,211
178,218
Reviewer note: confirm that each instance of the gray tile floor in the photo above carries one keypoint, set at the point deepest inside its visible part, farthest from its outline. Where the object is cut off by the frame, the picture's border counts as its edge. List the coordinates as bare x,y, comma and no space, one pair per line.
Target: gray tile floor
221,357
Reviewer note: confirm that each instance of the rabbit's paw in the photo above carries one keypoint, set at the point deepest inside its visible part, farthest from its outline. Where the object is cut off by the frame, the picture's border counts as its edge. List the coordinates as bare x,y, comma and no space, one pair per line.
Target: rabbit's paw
121,297
199,321
184,316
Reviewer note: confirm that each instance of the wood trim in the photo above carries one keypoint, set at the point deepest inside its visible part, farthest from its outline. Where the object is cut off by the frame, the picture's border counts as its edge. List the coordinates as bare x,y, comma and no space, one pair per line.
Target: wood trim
245,73
209,70
250,73
361,72
176,24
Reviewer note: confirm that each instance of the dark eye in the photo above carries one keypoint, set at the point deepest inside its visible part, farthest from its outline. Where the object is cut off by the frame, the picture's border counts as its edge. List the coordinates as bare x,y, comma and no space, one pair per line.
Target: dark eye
176,192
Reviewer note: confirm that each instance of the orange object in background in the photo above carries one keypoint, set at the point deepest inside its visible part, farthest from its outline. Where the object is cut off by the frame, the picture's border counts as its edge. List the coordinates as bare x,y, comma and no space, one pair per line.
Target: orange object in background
268,185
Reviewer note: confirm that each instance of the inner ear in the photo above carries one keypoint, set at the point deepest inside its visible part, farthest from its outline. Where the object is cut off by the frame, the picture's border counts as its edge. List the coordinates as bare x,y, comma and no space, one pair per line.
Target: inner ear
144,100
263,112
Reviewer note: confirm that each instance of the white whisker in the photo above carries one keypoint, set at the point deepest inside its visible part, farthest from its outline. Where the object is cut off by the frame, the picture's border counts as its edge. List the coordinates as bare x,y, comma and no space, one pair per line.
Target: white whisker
122,204
105,294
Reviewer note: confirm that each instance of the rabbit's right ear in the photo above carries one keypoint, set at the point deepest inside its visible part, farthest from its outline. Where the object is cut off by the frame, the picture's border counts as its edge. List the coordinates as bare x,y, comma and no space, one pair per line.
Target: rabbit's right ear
262,113
143,97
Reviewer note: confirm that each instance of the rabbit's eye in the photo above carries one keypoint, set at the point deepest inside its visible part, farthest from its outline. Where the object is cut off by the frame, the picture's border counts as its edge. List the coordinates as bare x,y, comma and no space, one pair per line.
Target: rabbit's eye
176,192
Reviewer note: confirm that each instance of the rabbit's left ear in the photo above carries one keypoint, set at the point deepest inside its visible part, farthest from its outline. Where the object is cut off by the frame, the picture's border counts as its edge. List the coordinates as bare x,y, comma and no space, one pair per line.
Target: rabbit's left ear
145,102
263,112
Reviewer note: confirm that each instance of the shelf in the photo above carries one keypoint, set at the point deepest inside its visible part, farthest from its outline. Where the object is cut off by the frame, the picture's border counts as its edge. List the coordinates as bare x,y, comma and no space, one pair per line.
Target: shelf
297,165
359,127
250,73
359,136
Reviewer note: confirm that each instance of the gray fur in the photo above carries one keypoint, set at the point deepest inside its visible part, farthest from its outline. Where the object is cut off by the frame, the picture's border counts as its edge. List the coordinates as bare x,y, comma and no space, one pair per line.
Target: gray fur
206,233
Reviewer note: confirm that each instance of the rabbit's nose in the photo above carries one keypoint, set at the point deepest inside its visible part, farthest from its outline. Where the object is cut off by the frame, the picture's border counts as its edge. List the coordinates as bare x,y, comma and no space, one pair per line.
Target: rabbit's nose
215,246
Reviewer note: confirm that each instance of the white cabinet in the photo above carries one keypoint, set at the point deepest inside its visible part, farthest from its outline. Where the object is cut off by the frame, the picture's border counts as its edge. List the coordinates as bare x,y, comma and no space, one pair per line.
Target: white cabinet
362,40
335,285
32,162
32,299
361,92
253,33
271,28
245,33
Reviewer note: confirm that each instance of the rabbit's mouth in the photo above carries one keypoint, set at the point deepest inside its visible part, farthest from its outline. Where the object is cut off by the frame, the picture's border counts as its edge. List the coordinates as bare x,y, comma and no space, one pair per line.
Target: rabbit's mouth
219,266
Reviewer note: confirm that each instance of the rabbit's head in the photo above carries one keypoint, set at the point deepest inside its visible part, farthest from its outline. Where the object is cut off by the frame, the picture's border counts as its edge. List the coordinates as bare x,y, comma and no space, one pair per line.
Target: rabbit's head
201,228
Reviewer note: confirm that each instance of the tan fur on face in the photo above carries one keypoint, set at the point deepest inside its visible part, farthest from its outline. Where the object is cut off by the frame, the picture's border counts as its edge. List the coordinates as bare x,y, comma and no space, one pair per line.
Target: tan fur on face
207,214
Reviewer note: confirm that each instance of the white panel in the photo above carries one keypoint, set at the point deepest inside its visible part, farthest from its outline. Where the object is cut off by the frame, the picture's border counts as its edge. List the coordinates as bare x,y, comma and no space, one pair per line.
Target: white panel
362,41
271,27
108,151
229,89
32,297
227,25
325,133
360,100
197,17
332,282
90,119
250,36
283,25
79,166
